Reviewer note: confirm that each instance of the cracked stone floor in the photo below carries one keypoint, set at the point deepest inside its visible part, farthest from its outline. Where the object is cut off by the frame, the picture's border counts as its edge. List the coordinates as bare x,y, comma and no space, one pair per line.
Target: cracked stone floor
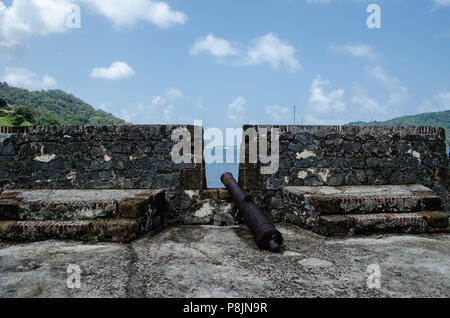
208,261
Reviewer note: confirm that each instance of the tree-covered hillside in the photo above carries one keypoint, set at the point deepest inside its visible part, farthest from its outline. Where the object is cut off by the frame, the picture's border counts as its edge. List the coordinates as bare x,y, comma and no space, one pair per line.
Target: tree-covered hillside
437,119
19,107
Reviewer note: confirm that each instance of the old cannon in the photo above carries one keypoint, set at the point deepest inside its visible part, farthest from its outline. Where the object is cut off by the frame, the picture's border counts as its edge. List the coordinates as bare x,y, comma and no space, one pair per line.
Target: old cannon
266,236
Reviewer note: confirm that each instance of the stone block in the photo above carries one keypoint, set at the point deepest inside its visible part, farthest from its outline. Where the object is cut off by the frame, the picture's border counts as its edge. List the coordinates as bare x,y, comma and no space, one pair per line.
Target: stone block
210,194
333,225
121,229
251,179
9,210
436,219
388,223
6,228
107,175
7,150
224,220
326,204
133,208
191,179
224,194
8,195
432,203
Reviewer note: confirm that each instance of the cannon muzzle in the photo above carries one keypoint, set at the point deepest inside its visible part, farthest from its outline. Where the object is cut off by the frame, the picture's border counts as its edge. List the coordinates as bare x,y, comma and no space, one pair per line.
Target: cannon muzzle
266,236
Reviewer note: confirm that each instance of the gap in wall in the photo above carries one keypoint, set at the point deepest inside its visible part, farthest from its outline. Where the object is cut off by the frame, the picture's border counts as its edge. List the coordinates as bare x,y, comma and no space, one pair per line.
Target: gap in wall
215,170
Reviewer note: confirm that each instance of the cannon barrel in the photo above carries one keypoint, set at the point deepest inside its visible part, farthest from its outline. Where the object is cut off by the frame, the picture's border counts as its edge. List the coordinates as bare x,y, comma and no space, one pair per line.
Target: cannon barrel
266,236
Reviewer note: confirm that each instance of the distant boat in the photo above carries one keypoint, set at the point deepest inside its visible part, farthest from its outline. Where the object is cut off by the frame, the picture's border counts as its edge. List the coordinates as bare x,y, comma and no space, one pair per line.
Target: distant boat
222,147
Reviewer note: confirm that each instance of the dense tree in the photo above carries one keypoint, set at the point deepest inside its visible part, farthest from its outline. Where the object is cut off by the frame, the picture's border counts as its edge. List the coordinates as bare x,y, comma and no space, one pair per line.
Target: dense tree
26,112
3,103
54,107
17,120
49,121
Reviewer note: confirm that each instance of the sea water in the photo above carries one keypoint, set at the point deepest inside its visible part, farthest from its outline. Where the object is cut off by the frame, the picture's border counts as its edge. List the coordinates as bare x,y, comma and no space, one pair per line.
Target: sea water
215,170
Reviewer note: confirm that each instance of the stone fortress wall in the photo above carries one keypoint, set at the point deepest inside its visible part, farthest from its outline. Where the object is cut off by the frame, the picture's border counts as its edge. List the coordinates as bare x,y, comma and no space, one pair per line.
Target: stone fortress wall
351,155
114,157
348,156
139,157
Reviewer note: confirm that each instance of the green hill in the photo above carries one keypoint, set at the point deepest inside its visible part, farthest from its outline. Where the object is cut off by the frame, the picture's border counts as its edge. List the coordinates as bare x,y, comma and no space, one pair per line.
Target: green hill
20,107
437,119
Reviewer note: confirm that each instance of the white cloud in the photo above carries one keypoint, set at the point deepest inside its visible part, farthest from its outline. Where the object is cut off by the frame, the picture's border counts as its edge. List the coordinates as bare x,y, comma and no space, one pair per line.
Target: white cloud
129,13
235,110
362,100
357,50
329,106
335,106
48,81
165,108
325,102
381,75
158,101
439,102
445,34
104,107
398,94
24,18
277,113
438,4
117,70
127,115
162,109
174,93
21,77
274,51
214,46
265,49
444,99
168,112
199,104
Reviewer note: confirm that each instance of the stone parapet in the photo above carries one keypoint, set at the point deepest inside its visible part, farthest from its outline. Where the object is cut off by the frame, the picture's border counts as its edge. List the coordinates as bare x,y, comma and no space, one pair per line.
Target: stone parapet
79,157
351,155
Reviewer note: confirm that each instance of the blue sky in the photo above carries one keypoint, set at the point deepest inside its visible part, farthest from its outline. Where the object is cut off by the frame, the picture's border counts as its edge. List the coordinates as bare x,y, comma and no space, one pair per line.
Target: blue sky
229,62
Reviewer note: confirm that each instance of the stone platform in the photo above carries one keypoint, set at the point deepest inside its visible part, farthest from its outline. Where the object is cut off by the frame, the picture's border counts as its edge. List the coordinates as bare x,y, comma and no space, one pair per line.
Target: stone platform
209,261
368,199
124,215
347,210
104,215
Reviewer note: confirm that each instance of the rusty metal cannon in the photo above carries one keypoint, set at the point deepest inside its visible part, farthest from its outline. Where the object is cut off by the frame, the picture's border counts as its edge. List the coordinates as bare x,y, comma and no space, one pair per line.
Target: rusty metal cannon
266,236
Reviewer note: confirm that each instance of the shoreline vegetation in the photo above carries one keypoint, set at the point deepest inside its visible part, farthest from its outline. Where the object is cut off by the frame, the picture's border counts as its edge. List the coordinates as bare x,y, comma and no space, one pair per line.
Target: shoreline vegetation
20,107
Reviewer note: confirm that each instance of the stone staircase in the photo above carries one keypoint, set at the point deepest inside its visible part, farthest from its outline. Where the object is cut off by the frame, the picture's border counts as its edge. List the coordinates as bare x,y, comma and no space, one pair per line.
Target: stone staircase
124,215
349,210
101,215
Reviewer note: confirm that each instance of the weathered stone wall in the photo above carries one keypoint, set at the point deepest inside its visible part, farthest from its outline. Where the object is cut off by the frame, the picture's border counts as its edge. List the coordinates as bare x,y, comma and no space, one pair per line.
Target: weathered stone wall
115,157
139,157
348,155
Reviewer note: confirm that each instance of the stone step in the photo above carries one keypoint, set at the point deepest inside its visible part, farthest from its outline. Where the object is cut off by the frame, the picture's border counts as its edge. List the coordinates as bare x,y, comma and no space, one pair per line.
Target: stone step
77,205
118,230
343,200
414,223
